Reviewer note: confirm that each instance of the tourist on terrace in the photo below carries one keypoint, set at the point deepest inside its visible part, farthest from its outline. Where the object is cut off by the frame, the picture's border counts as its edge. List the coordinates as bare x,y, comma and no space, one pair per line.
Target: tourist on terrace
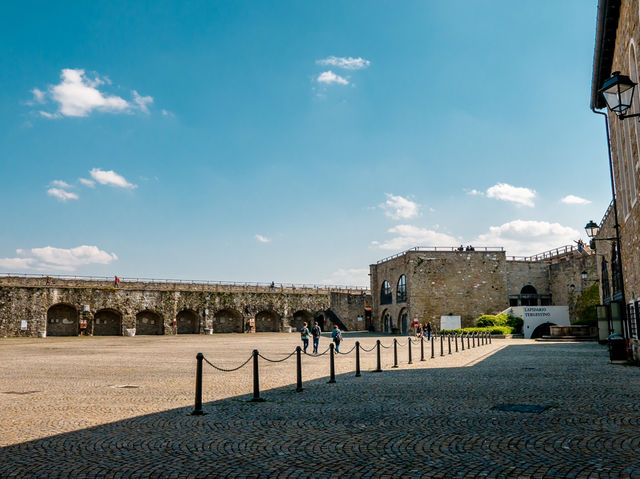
428,330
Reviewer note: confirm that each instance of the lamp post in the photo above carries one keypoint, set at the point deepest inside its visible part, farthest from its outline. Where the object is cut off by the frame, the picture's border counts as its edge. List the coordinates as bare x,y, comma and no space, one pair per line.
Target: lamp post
618,93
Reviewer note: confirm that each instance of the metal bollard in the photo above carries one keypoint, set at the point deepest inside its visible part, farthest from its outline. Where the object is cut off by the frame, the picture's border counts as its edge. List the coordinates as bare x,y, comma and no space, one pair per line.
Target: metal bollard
197,410
489,334
473,340
462,340
432,348
358,359
468,344
409,343
456,336
332,365
379,368
395,353
449,342
421,348
441,346
256,379
299,369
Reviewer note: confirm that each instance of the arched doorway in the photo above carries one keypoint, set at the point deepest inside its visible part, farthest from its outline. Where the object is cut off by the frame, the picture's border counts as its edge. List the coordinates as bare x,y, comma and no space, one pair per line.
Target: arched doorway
403,320
528,296
386,321
321,321
188,322
267,320
227,321
301,317
542,330
62,320
149,322
107,322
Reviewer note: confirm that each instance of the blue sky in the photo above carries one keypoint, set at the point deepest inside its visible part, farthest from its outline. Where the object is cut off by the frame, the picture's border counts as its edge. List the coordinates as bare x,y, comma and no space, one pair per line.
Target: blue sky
292,141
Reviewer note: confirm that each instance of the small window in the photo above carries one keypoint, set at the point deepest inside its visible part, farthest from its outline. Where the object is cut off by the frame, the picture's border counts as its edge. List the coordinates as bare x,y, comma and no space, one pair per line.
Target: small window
385,293
401,292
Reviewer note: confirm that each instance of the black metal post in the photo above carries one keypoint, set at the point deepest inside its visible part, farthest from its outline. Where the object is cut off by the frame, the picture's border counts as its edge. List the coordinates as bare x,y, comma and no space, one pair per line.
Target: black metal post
468,347
432,347
409,343
456,336
489,338
449,342
357,359
421,348
256,379
299,369
197,410
462,341
332,365
379,368
473,340
441,346
395,353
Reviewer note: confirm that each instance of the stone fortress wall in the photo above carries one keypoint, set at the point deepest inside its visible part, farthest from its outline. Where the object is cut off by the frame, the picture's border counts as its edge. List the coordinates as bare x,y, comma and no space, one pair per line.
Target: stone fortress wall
445,281
58,306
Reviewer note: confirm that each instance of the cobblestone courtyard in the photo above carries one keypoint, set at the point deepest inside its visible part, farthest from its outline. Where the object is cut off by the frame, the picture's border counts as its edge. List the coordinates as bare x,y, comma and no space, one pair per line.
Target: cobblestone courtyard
118,407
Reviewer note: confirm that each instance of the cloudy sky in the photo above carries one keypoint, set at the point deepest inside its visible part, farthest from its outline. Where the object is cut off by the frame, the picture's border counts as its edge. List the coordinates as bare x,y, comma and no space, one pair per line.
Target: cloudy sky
292,141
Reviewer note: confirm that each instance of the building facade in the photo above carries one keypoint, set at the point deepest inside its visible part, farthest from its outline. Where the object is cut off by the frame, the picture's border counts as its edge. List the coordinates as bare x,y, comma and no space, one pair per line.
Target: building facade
427,283
616,49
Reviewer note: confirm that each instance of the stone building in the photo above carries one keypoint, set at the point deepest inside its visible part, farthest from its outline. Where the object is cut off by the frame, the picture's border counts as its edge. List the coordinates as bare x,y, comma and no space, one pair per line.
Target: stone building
616,50
427,283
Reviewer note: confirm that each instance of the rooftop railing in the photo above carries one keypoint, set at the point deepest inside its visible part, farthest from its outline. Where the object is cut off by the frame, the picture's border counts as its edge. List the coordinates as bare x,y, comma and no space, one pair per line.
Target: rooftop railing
457,249
131,279
547,255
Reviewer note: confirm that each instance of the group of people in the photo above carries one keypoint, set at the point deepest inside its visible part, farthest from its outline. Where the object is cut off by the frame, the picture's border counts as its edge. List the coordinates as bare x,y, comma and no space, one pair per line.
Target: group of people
468,248
315,333
425,330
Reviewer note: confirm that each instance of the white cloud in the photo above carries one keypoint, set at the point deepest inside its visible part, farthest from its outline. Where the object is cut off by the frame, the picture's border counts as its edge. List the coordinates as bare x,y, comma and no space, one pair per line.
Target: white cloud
86,182
62,195
50,258
60,184
262,239
398,207
78,95
526,238
349,277
514,194
408,236
38,95
475,192
142,101
575,200
347,63
329,78
110,178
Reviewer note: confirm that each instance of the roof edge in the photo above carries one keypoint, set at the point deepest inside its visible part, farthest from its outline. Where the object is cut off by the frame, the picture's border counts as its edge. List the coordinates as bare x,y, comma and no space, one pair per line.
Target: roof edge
606,29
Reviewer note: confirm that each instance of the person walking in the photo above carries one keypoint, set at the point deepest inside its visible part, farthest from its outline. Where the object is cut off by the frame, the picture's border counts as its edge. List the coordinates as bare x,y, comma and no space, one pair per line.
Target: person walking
428,328
304,335
419,331
315,333
336,335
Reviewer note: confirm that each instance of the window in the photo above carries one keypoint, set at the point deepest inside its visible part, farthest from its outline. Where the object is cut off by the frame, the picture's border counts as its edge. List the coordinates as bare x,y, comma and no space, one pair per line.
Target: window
615,273
401,292
385,293
606,289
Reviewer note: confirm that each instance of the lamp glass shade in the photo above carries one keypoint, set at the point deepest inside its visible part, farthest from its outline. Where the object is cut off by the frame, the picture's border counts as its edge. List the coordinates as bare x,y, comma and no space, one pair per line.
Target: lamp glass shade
618,92
592,229
584,275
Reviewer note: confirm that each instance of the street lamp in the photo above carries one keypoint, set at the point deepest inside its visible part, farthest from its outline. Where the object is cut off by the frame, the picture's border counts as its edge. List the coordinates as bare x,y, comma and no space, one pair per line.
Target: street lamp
618,93
592,229
584,276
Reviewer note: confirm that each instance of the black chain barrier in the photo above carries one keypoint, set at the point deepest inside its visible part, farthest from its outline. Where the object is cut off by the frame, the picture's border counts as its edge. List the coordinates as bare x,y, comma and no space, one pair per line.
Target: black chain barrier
483,338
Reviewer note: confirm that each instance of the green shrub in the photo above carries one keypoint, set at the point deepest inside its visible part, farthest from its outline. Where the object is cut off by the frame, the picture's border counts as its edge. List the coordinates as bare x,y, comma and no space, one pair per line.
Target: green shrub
586,306
489,320
490,329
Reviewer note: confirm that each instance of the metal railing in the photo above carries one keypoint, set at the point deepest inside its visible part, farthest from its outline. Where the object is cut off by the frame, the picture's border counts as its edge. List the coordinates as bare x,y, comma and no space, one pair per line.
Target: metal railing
456,249
245,284
547,255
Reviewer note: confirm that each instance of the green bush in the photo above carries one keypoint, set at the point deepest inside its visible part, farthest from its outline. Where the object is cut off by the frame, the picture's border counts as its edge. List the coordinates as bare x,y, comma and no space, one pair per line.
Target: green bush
586,306
490,329
489,320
